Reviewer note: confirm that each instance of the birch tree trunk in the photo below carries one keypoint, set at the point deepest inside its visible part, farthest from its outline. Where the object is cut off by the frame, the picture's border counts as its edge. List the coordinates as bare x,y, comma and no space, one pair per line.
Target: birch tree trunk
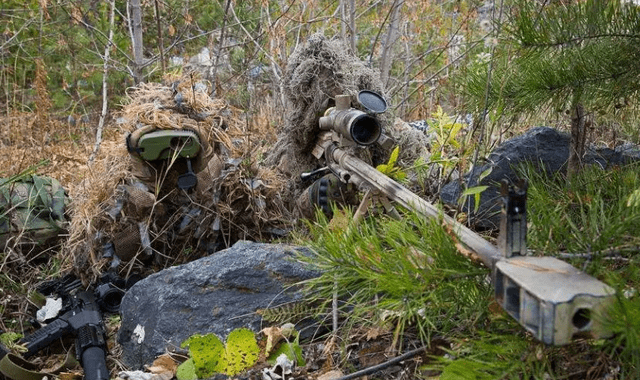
136,39
105,75
343,20
352,25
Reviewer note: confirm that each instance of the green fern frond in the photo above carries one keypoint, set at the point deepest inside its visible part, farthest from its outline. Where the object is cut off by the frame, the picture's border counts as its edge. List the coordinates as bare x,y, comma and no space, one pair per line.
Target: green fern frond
291,312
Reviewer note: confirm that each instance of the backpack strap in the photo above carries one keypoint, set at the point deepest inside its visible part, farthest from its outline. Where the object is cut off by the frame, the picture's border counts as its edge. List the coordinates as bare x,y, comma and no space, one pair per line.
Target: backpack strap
14,367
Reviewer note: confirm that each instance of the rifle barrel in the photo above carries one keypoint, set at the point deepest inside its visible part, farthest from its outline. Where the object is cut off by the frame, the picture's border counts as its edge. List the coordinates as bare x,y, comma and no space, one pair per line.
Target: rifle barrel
488,253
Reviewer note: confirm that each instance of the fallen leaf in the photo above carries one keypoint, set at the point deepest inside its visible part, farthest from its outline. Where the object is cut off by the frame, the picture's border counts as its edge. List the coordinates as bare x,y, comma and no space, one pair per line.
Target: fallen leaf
274,335
459,246
162,364
375,332
70,376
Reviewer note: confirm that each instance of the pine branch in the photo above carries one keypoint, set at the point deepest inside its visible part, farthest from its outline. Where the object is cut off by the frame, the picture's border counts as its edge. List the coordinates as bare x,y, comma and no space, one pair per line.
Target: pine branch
561,52
561,25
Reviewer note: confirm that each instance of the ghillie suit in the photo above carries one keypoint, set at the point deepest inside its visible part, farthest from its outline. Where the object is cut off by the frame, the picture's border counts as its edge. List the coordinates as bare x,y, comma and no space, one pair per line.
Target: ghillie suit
316,73
146,207
32,215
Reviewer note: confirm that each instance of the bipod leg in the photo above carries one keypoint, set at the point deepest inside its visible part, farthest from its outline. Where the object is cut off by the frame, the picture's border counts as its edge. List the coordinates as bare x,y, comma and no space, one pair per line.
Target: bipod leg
364,206
388,207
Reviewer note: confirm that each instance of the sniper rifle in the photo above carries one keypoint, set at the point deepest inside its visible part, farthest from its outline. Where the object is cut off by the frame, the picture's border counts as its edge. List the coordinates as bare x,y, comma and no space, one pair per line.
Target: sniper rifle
548,297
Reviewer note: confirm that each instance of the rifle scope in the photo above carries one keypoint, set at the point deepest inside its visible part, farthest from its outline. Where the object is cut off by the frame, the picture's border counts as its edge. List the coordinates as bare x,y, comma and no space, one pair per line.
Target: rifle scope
357,126
109,297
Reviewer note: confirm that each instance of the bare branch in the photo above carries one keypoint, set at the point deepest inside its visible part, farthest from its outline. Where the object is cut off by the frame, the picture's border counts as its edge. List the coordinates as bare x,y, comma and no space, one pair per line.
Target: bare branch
105,75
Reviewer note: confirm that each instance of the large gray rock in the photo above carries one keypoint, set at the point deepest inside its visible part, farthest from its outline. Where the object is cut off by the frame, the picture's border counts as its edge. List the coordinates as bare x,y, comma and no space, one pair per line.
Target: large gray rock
215,294
546,148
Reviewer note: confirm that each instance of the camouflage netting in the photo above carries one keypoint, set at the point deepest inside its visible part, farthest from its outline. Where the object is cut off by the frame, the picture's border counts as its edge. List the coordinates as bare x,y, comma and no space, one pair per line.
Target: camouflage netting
129,213
316,72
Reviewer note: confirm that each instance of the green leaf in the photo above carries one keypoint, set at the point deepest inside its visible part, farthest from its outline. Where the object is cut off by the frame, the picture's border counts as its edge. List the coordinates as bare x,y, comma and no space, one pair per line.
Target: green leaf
208,354
390,169
383,168
394,156
186,371
292,350
242,351
484,174
476,191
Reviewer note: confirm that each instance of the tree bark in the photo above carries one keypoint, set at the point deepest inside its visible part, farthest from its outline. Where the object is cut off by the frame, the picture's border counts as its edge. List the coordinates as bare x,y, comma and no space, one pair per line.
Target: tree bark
392,36
160,40
105,75
352,26
136,39
578,140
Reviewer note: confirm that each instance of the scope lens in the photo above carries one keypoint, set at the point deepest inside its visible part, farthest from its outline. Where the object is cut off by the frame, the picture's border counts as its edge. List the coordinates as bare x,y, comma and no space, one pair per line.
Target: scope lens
109,297
372,101
365,129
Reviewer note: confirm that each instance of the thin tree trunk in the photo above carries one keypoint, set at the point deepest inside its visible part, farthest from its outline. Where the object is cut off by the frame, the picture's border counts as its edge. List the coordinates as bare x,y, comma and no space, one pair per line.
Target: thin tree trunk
105,75
352,25
343,20
219,48
160,40
392,36
578,140
136,39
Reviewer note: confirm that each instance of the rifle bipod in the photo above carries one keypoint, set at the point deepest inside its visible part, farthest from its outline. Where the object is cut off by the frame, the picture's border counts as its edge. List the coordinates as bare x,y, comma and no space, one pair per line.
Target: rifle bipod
369,199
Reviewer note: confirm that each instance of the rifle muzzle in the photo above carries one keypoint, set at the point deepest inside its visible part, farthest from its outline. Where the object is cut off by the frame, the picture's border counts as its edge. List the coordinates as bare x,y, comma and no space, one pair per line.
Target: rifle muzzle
357,126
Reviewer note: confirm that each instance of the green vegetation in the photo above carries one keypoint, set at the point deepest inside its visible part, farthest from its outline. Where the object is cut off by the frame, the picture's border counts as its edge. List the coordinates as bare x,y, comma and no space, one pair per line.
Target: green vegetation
390,169
210,356
407,277
576,57
397,273
588,214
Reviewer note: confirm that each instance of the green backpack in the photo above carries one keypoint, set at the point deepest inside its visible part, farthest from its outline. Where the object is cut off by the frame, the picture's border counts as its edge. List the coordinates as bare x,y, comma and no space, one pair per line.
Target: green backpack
32,211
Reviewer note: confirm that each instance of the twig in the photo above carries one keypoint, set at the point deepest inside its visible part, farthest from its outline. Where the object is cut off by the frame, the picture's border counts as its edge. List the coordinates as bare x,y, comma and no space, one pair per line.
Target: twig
274,65
105,75
160,40
375,41
384,365
220,45
613,255
334,307
16,34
